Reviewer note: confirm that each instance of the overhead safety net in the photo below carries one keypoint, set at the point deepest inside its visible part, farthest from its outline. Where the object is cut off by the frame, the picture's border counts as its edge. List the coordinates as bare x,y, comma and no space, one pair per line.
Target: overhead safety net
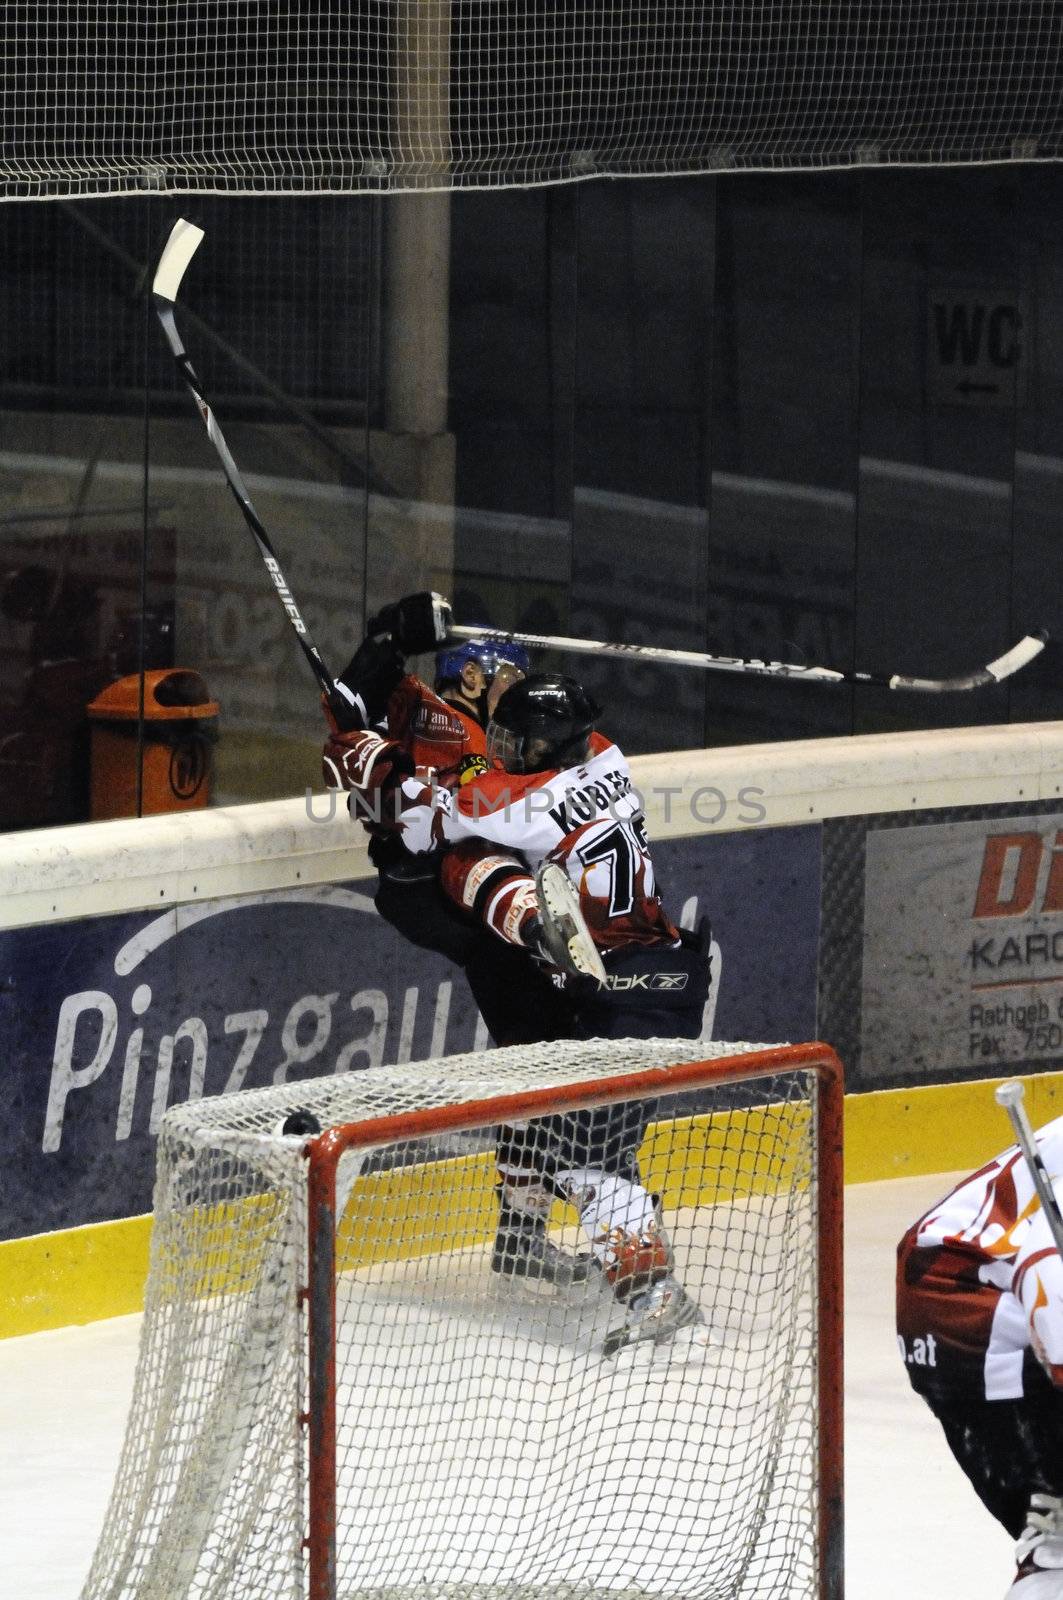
362,96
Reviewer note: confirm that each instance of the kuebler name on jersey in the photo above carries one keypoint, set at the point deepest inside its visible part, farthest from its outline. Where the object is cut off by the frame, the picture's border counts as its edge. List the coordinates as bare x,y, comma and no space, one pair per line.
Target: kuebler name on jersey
578,805
599,795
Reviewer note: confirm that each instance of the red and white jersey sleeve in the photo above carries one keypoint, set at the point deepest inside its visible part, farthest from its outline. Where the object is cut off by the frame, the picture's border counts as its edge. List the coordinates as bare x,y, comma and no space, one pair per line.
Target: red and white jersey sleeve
588,818
996,1218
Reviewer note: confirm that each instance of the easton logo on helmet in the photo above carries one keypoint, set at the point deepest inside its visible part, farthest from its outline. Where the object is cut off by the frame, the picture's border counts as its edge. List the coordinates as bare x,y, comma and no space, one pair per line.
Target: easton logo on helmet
544,721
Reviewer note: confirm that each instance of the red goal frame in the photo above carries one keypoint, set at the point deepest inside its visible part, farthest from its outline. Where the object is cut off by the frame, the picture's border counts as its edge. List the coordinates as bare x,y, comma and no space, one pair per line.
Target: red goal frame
319,1294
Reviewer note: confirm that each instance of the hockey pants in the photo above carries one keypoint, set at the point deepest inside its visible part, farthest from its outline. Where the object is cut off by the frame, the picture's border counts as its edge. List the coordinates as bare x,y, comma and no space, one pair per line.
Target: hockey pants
1008,1449
609,1138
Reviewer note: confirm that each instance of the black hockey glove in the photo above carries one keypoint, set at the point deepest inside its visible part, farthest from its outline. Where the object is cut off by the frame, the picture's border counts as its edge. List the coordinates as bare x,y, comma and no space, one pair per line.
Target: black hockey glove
373,672
416,623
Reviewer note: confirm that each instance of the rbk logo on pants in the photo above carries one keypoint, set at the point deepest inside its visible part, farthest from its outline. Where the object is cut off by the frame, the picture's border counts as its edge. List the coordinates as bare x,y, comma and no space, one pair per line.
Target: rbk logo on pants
647,980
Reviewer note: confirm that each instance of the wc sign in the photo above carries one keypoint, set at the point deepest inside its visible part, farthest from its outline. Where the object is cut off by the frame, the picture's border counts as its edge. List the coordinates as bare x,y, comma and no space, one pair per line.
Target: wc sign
977,347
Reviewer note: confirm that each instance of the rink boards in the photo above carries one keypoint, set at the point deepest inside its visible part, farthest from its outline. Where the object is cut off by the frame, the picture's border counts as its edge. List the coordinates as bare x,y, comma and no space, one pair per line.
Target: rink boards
898,895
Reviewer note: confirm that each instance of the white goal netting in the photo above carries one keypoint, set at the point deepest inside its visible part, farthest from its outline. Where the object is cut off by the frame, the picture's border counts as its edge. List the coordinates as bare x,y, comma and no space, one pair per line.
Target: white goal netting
487,1440
379,95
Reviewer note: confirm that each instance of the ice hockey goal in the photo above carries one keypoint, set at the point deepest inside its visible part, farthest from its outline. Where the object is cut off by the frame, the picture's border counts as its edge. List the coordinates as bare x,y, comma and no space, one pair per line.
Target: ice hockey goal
337,1396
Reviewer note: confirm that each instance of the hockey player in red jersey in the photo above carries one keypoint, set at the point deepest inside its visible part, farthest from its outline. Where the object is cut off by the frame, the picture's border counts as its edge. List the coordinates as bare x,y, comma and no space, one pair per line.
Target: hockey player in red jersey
980,1330
396,724
382,716
558,814
393,723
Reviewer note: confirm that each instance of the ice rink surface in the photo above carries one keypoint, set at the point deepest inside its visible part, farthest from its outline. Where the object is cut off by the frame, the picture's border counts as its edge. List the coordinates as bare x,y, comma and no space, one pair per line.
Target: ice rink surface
913,1526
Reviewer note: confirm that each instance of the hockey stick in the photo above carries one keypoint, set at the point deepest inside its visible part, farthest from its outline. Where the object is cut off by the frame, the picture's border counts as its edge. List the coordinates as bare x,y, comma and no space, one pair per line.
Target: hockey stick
325,437
177,252
1010,1096
1013,660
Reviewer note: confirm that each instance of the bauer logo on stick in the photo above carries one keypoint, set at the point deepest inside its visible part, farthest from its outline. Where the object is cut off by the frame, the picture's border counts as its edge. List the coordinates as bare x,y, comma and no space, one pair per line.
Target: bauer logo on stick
273,568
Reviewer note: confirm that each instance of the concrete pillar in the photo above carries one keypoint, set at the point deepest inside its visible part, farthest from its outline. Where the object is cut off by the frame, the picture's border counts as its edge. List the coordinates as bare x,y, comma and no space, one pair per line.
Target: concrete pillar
416,449
417,225
417,313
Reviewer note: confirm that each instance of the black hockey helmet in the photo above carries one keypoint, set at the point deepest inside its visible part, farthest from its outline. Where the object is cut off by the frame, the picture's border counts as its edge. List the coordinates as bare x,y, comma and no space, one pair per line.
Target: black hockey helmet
541,723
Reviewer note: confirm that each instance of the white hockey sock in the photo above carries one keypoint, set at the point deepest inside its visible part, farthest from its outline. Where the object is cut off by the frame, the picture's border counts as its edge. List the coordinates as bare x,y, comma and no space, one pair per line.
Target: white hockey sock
607,1205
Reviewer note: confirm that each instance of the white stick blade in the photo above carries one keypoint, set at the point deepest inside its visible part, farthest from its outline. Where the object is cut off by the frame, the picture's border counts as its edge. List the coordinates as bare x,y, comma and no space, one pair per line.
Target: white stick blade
1019,655
1010,1094
180,247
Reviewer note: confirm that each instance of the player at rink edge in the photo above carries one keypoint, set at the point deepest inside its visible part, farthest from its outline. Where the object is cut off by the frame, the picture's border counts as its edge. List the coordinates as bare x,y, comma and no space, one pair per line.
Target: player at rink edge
980,1330
556,818
384,722
398,724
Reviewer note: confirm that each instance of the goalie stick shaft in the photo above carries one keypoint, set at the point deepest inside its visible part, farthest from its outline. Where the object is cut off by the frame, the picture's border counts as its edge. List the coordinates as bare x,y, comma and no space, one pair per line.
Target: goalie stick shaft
180,247
1011,1096
1012,661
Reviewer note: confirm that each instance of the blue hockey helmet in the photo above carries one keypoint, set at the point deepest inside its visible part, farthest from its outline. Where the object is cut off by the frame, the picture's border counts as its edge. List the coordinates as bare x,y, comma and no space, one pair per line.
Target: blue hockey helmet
488,654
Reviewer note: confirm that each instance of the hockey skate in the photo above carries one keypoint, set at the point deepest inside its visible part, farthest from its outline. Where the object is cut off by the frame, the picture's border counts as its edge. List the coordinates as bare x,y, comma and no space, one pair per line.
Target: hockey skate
1039,1552
638,1268
657,1313
559,930
522,1250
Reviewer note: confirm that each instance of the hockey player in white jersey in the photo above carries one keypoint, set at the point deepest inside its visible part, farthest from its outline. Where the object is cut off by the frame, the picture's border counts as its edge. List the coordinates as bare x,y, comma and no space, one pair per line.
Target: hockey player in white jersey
980,1330
556,814
395,723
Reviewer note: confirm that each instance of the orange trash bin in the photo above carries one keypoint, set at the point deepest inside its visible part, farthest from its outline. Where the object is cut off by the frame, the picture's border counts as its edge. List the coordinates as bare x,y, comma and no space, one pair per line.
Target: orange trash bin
180,729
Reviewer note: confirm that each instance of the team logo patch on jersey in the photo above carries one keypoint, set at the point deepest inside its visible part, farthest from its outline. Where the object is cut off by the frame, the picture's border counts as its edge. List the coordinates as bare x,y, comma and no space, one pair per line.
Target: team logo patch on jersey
470,767
672,981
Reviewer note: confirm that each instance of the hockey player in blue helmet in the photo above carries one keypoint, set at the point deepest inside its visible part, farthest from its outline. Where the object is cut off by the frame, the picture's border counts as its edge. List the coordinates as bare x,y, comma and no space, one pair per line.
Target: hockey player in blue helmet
398,723
469,677
474,675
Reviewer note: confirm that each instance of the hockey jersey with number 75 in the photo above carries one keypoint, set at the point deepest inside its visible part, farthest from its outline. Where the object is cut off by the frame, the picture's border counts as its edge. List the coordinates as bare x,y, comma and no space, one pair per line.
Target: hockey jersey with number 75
588,818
